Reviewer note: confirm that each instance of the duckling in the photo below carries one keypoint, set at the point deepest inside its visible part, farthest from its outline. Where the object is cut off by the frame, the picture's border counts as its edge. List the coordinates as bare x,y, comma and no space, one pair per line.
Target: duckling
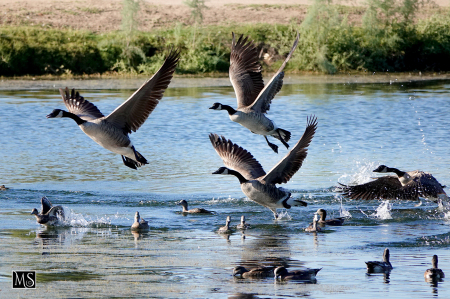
49,215
259,272
243,225
139,224
184,204
225,229
253,98
333,222
434,273
380,267
308,274
255,183
111,132
3,188
404,186
312,228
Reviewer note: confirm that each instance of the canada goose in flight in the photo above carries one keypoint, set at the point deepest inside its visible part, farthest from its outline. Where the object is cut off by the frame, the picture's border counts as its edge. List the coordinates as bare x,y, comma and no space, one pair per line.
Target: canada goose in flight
333,222
308,274
184,205
253,98
49,215
313,228
259,272
380,267
255,183
404,185
434,273
243,225
139,223
112,131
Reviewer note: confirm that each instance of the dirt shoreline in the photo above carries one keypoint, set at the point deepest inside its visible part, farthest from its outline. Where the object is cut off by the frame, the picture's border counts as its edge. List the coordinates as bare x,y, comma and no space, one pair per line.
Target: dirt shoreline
106,15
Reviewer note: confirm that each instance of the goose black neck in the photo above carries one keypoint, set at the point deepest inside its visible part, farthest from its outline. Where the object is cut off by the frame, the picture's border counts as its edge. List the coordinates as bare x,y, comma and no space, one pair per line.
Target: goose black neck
230,109
399,173
76,118
238,175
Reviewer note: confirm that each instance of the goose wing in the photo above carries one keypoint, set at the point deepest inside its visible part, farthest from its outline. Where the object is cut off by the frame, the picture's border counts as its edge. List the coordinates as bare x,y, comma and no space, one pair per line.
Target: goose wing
134,112
386,187
245,71
265,97
236,157
77,105
429,186
291,163
46,205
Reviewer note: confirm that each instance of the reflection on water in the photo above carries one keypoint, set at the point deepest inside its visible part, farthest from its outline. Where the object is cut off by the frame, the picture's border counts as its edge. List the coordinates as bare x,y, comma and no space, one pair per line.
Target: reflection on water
95,254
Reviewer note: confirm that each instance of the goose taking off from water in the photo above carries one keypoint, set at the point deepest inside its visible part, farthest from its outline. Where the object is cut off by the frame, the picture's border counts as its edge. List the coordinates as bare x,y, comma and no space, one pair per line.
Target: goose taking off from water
255,183
380,267
49,215
434,272
404,185
253,98
139,223
112,131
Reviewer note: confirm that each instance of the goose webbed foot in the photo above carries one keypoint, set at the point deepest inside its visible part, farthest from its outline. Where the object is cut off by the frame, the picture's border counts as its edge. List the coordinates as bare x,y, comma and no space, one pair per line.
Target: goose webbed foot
128,162
274,147
282,140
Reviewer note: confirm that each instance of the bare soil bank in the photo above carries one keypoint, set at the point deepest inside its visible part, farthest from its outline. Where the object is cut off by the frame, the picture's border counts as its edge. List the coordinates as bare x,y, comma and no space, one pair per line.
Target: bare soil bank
105,15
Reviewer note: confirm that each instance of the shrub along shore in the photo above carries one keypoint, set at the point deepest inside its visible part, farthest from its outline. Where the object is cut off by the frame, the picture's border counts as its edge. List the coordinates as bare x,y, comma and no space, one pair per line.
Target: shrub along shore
328,44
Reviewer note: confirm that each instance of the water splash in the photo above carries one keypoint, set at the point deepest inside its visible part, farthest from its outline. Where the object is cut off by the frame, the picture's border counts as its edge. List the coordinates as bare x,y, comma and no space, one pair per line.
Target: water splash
362,174
284,215
78,220
384,210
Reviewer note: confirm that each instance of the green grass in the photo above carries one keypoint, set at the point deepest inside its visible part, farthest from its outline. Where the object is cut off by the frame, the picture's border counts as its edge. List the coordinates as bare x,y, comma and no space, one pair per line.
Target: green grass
328,44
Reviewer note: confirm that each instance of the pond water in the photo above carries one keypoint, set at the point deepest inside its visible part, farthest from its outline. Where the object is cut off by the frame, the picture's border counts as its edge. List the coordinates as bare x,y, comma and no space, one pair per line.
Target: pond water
401,124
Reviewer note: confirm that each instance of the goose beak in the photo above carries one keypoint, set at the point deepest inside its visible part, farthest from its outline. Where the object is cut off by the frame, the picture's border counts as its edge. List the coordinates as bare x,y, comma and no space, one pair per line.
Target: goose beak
216,172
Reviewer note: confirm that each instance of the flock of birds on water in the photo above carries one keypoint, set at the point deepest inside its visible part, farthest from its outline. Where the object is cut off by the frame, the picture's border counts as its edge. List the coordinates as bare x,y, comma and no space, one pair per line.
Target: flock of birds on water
253,102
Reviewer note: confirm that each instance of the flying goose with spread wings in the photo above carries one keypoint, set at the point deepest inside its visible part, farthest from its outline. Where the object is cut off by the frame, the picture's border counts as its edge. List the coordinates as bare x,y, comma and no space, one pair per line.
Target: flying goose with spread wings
112,131
255,183
253,98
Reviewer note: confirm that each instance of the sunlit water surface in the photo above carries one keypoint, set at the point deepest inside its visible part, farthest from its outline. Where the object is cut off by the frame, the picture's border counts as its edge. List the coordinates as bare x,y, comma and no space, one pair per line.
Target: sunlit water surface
94,253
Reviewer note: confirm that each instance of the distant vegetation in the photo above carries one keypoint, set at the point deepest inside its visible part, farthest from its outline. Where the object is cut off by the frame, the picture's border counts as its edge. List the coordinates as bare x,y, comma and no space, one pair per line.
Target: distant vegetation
390,38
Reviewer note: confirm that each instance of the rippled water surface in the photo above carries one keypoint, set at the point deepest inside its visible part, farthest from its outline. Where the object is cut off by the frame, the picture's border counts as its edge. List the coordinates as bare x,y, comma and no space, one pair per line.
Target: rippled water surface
94,253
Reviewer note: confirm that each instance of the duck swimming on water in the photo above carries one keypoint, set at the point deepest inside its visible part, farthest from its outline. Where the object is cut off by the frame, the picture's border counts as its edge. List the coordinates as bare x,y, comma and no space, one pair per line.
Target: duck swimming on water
185,210
380,267
111,132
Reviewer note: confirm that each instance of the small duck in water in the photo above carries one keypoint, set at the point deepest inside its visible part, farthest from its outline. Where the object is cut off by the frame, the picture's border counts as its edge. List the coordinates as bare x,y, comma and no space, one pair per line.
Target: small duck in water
380,267
243,225
225,229
308,274
332,222
434,273
139,224
312,228
184,204
49,215
259,272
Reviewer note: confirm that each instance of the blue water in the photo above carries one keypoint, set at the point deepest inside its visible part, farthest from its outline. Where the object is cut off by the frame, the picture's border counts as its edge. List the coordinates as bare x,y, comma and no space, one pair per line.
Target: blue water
361,126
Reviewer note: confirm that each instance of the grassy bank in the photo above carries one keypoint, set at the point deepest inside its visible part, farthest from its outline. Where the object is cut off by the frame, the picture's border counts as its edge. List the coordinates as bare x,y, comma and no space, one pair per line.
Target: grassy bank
387,40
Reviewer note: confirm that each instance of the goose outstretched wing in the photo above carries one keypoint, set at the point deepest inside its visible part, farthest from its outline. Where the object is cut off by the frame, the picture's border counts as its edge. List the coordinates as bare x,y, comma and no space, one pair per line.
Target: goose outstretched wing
291,163
237,158
245,71
134,112
265,97
77,105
